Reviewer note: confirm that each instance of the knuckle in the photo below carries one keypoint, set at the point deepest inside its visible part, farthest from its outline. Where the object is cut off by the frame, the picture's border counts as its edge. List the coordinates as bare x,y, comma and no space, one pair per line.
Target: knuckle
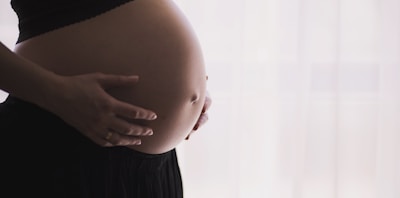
136,114
106,105
139,131
131,131
97,119
119,143
126,142
128,131
114,141
136,142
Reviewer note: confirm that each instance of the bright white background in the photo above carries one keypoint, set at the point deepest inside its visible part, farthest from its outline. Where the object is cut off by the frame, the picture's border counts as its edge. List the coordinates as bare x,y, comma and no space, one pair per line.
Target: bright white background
306,98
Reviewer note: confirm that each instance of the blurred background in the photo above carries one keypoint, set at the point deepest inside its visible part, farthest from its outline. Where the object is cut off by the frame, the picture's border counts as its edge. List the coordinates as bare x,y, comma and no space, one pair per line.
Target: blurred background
306,98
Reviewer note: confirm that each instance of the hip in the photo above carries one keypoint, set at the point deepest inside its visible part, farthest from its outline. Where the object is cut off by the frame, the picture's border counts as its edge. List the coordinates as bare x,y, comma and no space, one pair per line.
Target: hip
39,145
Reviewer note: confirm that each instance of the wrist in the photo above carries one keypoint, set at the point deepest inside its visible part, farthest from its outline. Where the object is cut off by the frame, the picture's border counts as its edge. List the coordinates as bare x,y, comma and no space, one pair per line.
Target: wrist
48,88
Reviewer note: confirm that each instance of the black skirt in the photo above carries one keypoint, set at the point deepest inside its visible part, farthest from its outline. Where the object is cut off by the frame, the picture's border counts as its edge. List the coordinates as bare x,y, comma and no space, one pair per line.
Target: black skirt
45,157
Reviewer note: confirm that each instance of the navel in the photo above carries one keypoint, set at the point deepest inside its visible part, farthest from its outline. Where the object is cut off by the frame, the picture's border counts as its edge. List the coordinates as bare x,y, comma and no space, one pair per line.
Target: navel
195,98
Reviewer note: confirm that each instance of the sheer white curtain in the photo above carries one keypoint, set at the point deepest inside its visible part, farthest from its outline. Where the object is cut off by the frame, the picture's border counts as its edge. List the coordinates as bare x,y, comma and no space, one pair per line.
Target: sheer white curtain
306,99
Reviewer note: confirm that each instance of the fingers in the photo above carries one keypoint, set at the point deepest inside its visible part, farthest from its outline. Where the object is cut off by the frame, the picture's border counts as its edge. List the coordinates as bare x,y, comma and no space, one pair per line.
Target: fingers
95,113
121,133
121,108
202,119
129,129
203,116
109,80
111,138
117,139
207,103
127,110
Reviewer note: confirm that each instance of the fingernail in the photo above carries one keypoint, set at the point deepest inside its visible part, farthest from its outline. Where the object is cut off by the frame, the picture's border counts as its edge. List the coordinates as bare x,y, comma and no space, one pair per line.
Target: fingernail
149,132
153,117
139,142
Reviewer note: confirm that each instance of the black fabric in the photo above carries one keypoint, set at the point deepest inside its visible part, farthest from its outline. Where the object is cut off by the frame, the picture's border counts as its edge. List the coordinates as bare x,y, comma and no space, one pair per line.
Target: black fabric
39,16
44,157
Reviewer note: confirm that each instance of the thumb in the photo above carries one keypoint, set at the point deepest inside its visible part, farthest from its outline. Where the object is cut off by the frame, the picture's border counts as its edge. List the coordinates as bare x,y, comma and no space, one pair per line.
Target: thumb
109,80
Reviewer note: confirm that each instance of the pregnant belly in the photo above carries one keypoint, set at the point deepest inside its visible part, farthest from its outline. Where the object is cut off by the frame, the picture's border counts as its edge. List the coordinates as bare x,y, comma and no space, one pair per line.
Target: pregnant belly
148,38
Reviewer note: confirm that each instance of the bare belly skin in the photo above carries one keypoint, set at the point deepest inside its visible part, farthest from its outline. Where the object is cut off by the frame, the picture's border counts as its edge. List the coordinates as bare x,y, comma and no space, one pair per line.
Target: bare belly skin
149,38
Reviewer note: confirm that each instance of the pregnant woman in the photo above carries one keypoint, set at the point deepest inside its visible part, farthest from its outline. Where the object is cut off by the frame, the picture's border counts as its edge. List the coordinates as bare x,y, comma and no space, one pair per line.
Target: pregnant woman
54,154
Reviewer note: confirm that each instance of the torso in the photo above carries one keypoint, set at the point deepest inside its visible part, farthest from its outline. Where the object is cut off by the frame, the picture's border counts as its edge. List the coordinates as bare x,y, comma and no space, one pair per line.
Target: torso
149,38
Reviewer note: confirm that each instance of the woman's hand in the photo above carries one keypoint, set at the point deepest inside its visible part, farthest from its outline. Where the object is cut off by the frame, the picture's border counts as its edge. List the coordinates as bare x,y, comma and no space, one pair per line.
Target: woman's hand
82,102
203,116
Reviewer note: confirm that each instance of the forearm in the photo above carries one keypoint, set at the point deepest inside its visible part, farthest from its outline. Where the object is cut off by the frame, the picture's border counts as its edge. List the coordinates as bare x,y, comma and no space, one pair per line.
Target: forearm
23,78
